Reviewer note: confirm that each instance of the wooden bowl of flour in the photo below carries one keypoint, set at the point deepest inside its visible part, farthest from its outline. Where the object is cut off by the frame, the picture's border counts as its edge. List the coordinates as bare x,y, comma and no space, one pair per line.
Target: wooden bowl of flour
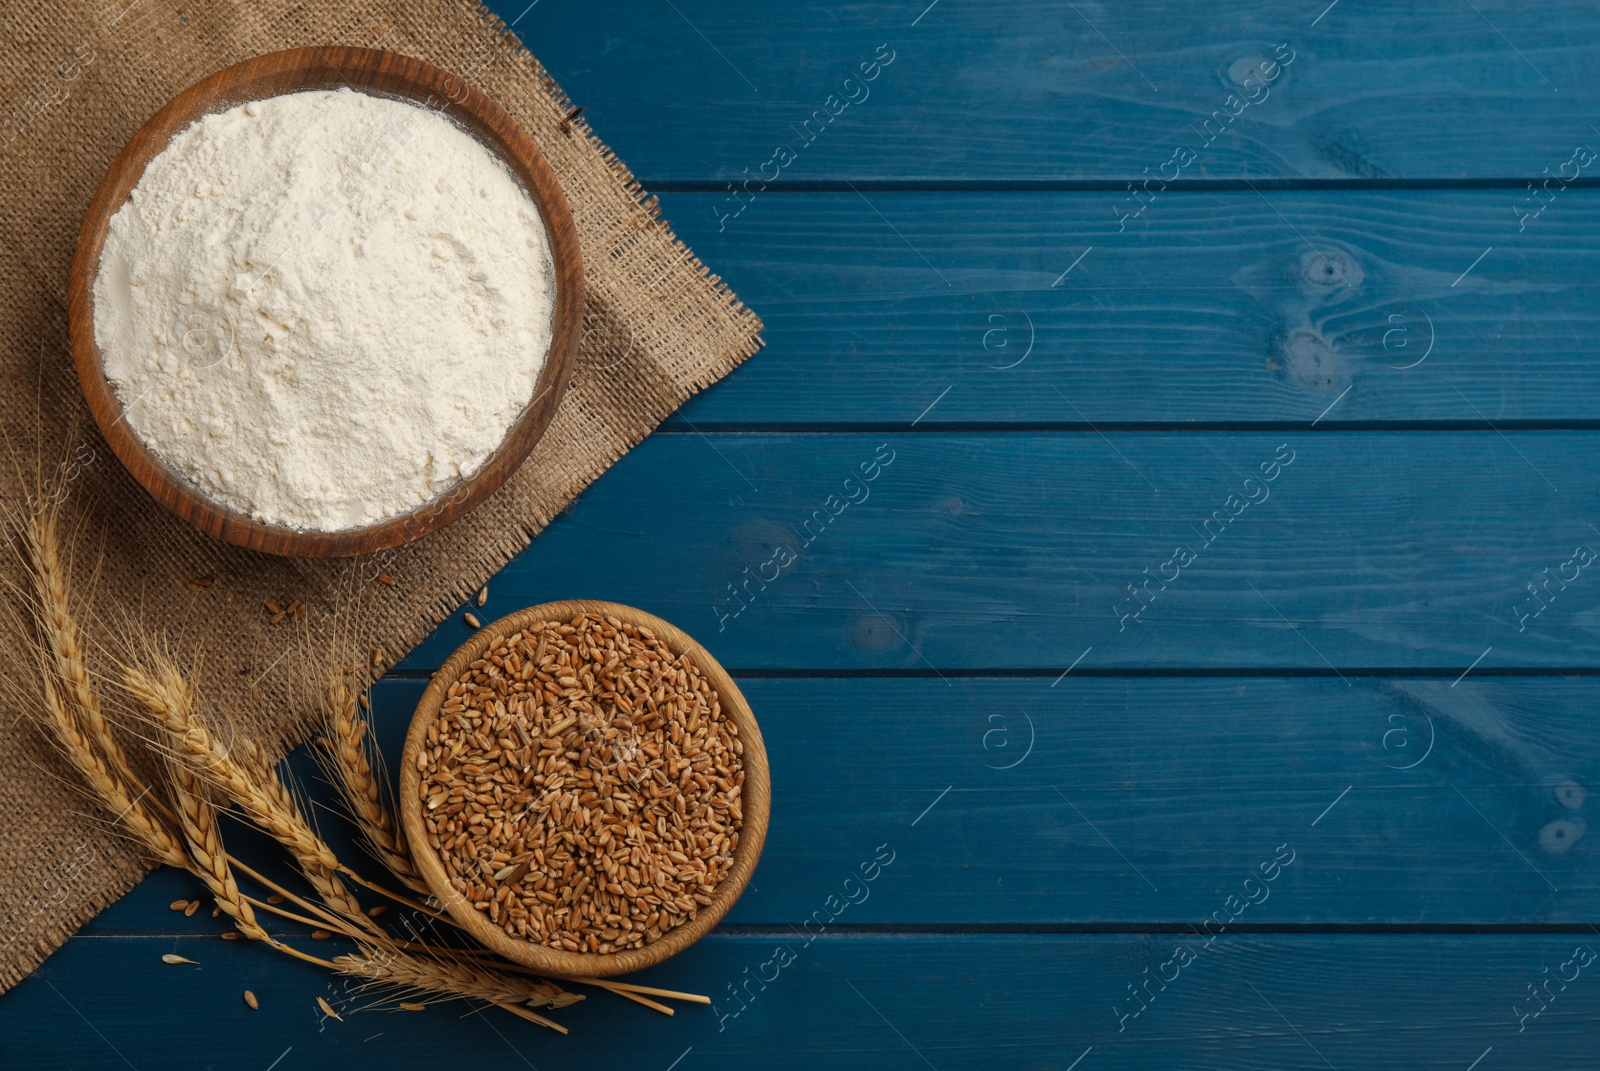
382,74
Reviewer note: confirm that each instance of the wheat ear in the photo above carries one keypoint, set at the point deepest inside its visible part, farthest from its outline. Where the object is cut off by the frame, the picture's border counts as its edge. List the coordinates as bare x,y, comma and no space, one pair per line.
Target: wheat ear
58,630
348,745
386,966
127,807
198,817
167,698
69,707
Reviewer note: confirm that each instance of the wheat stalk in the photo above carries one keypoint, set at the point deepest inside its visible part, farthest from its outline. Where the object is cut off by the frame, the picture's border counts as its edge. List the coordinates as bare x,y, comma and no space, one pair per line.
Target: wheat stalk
348,746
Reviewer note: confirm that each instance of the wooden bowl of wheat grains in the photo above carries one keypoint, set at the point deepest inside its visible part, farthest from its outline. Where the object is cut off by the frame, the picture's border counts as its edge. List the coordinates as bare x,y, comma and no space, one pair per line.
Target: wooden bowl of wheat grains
756,796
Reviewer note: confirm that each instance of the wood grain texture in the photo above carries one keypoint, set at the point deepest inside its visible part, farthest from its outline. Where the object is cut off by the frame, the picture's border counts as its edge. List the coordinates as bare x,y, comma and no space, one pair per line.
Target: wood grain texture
1038,91
1221,308
1038,440
367,70
882,1001
1017,552
757,795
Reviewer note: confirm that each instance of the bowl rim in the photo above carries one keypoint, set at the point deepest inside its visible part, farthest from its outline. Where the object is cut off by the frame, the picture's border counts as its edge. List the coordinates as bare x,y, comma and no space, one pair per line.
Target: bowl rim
757,796
379,73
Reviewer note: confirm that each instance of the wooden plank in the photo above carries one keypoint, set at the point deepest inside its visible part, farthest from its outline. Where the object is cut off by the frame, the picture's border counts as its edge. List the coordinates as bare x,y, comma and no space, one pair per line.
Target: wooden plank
945,1001
708,90
947,310
1141,802
1018,551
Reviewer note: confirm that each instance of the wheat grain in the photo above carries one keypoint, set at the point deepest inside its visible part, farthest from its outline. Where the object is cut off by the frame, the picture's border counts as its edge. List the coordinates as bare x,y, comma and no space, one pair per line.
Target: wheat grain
582,787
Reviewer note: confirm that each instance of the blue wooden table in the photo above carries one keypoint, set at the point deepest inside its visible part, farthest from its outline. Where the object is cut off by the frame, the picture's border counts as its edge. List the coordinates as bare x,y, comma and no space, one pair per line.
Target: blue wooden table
1206,673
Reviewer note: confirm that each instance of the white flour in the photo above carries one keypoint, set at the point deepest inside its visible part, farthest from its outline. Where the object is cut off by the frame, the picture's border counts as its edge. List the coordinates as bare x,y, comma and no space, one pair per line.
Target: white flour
325,308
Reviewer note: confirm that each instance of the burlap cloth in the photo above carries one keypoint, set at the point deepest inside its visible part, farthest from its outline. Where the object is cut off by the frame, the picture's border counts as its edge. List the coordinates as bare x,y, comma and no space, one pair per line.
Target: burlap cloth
77,79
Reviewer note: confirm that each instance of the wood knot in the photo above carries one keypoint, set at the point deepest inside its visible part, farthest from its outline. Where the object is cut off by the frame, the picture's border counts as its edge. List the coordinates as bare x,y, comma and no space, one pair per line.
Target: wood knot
1560,835
874,632
1325,269
1307,359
